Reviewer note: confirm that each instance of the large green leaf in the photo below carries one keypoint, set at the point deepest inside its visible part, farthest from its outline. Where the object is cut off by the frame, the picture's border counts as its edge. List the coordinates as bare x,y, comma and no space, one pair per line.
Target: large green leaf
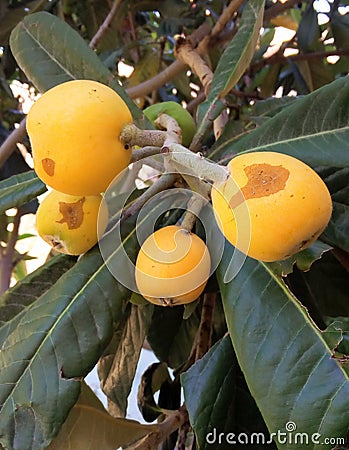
219,408
314,129
170,336
19,189
239,52
26,291
337,180
288,367
233,62
58,339
44,41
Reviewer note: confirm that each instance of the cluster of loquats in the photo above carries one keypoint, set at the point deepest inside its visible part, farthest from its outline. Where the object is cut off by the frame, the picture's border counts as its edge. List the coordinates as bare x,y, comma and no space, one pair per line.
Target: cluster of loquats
74,130
270,207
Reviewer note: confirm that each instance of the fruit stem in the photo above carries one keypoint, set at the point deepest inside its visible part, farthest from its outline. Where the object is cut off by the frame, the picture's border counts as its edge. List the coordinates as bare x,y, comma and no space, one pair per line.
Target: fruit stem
196,163
164,182
132,135
194,206
144,152
173,130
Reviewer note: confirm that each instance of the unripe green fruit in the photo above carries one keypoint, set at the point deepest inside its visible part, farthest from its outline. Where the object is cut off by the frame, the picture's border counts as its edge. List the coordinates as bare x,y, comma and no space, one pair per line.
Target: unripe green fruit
181,115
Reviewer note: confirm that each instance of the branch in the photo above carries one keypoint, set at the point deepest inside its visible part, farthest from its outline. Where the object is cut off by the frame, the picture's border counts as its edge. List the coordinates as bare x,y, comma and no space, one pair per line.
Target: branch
172,423
190,56
163,183
204,334
194,206
105,25
342,256
10,143
278,9
219,26
6,255
277,58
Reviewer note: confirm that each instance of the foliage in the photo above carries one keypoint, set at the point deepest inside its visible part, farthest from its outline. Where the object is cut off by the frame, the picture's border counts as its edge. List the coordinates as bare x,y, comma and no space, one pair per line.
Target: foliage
265,349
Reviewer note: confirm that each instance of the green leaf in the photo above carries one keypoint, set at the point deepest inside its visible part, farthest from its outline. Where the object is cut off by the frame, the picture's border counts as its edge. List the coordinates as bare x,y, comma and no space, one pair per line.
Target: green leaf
337,180
43,40
57,340
239,52
336,233
217,401
19,189
314,129
117,366
89,426
231,65
9,17
309,32
303,260
26,291
275,339
340,28
170,336
326,286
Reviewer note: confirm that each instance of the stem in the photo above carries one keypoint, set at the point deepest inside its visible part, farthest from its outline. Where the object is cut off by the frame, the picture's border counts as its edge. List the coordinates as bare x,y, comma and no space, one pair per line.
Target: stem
220,123
342,256
185,53
204,334
277,58
156,82
173,130
6,255
132,135
164,182
105,25
277,9
170,72
172,423
197,163
144,152
194,206
10,143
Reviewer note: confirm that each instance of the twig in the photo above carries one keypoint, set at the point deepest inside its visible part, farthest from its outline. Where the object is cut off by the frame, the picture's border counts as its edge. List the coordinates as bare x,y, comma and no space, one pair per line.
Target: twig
105,25
221,23
204,334
277,9
6,255
277,58
190,56
172,423
132,135
10,143
220,123
164,182
144,152
194,206
197,163
170,72
342,256
173,130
